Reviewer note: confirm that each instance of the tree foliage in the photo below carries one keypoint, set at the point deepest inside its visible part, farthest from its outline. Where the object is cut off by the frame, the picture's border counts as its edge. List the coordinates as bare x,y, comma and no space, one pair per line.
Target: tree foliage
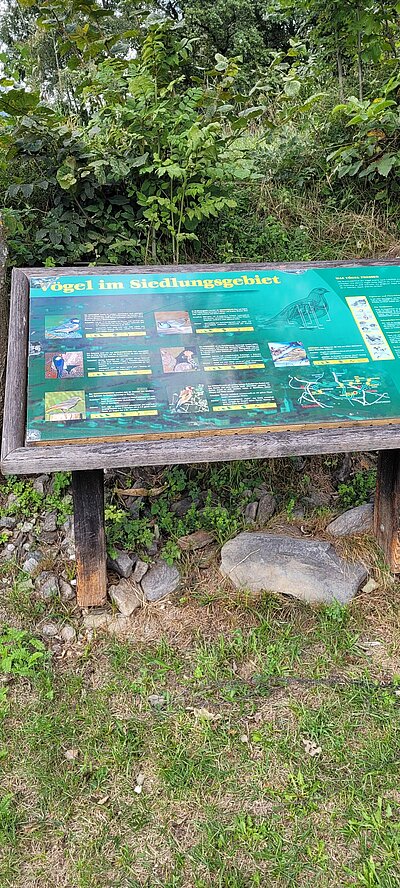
126,125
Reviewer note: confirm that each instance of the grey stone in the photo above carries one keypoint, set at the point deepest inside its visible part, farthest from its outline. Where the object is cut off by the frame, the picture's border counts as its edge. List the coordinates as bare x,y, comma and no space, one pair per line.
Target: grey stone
27,526
49,630
48,587
68,634
31,564
357,520
182,506
140,569
317,498
152,548
156,700
96,620
196,540
56,647
50,522
68,528
9,551
134,505
260,491
122,564
118,625
307,569
266,508
126,597
67,592
160,580
8,522
68,548
250,512
39,483
50,537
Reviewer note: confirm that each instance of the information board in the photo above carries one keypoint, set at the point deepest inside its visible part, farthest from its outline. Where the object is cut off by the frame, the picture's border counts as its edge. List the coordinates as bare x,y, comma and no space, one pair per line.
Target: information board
136,355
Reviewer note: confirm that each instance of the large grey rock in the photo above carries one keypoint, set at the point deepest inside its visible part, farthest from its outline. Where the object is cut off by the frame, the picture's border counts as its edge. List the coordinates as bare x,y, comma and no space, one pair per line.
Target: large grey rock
160,580
122,563
357,520
307,569
125,596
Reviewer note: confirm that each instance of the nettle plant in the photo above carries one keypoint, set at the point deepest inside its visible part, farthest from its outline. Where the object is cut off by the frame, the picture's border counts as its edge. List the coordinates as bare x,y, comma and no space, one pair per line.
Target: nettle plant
152,153
374,152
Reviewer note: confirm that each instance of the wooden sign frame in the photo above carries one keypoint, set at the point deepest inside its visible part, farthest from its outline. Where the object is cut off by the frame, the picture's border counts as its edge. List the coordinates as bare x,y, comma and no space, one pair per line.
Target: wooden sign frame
88,460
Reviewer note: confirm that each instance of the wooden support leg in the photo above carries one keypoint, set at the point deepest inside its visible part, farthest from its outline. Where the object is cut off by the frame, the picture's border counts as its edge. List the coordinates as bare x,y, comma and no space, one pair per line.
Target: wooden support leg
90,540
387,506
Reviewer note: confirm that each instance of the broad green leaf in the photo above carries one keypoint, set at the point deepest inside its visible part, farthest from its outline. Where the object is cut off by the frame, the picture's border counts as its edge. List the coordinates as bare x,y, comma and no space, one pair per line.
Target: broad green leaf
292,88
65,180
386,163
16,102
139,161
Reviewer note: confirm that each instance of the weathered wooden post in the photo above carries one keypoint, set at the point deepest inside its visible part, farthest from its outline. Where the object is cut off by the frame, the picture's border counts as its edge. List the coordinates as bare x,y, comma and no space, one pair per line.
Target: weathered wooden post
90,541
387,506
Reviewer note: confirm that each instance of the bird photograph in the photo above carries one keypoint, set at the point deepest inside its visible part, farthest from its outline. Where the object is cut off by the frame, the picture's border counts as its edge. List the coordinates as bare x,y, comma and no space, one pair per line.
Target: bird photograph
62,328
173,322
60,407
63,365
175,360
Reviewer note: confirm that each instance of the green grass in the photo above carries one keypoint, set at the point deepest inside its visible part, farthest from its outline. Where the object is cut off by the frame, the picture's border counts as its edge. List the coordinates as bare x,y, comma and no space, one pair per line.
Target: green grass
230,796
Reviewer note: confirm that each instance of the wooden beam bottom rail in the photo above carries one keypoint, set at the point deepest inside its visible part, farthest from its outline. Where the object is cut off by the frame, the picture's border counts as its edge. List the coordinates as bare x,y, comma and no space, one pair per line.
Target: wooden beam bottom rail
199,449
90,538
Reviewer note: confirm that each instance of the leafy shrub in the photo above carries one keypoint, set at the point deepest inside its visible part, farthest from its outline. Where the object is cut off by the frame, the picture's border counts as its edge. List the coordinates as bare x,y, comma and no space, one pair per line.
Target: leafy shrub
21,654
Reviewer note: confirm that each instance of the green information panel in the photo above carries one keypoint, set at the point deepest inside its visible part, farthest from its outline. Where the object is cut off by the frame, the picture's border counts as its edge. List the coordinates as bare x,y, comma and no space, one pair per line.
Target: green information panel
147,355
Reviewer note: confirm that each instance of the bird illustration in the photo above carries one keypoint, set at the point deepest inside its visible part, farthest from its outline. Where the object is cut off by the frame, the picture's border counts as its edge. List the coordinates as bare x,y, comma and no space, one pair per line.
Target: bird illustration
308,312
58,364
65,406
70,367
184,397
65,329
